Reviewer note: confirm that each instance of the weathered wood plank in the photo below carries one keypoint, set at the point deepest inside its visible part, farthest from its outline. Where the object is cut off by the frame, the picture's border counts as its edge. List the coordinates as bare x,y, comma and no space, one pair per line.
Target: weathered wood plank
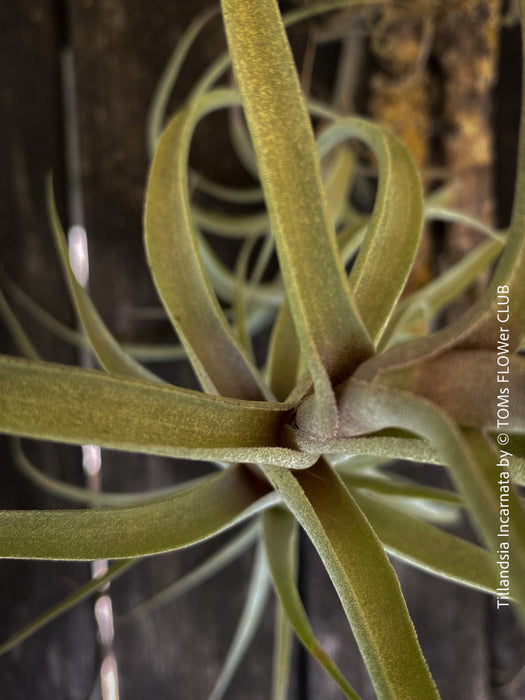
59,662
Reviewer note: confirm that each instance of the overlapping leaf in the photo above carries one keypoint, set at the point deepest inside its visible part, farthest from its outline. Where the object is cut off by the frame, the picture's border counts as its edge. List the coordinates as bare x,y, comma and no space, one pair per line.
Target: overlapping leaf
429,548
331,333
363,578
470,456
186,518
394,229
54,402
176,264
280,538
110,354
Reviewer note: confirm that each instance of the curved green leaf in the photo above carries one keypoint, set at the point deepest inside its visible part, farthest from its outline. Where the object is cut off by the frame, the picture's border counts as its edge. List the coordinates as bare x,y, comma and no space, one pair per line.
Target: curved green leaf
234,195
159,102
472,460
110,354
280,539
283,357
66,404
401,489
140,351
80,594
269,293
282,654
204,571
79,494
20,337
363,578
394,229
258,591
442,290
332,336
429,548
338,177
178,272
239,304
231,226
435,505
193,515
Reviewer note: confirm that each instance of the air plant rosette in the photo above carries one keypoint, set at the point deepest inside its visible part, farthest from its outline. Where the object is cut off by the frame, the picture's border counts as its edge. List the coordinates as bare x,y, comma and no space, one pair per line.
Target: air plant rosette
356,375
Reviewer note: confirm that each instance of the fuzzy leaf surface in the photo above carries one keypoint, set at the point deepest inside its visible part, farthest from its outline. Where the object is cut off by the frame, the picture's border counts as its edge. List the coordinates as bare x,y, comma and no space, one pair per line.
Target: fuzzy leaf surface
65,404
331,333
132,531
280,538
176,263
363,578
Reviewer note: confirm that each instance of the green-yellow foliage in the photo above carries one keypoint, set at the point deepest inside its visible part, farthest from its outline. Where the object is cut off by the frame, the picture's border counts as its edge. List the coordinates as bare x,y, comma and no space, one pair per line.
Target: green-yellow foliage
350,371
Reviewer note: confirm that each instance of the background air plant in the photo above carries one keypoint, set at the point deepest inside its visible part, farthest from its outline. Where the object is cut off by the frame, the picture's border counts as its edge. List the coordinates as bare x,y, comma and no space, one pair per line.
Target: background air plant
349,381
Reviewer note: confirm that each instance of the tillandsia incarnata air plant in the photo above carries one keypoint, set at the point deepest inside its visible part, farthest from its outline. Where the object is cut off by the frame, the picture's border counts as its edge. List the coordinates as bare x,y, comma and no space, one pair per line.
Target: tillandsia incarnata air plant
353,377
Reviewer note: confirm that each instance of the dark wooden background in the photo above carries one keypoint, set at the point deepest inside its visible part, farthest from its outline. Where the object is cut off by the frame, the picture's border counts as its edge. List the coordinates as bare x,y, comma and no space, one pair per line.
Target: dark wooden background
120,48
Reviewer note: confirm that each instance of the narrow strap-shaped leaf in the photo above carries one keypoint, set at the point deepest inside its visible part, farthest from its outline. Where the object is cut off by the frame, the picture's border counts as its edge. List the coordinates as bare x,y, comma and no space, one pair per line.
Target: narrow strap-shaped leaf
65,404
471,458
434,505
339,177
282,654
239,306
283,359
190,516
109,353
231,226
269,293
212,565
38,313
331,333
401,489
394,229
429,548
80,494
263,259
80,594
280,539
219,67
222,192
363,578
443,289
178,271
454,216
258,591
159,102
140,351
20,337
